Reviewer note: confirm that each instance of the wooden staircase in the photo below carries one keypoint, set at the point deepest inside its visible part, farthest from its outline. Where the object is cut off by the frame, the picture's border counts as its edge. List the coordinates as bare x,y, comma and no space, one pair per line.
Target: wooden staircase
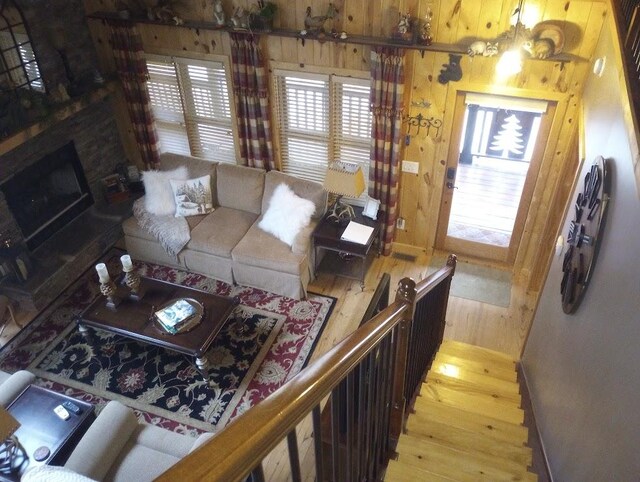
468,424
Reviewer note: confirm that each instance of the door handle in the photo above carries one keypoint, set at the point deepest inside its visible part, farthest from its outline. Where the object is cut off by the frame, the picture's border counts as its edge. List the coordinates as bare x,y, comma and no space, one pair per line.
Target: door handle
450,185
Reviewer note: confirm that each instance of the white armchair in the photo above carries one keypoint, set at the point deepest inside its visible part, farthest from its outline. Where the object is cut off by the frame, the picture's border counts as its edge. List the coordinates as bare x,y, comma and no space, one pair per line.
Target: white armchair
11,385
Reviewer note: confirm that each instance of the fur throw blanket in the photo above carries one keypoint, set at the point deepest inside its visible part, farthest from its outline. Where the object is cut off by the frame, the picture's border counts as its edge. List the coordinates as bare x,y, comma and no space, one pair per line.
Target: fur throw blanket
172,232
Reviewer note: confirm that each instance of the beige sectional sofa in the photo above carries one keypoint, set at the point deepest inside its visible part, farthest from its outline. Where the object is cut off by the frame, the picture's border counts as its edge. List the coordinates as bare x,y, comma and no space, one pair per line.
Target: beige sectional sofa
227,244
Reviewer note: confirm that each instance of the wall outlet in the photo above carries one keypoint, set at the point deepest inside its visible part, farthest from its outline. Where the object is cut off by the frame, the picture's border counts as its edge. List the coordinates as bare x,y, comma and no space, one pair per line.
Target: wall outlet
410,166
400,223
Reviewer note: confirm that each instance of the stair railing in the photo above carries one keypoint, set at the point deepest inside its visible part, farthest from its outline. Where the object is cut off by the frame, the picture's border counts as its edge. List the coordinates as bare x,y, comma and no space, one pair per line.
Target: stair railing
363,377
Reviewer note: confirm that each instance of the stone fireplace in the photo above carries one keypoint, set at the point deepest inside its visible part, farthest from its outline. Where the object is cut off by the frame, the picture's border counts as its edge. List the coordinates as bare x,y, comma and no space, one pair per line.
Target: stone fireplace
47,195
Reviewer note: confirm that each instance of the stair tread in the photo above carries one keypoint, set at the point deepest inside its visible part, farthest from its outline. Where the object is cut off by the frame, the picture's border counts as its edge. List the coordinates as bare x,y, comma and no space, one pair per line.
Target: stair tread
467,440
472,376
497,371
398,472
481,404
430,410
473,387
473,351
460,465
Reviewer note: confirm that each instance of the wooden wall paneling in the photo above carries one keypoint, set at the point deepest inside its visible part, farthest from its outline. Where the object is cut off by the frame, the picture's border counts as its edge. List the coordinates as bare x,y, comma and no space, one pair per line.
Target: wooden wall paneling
559,200
447,22
353,17
538,210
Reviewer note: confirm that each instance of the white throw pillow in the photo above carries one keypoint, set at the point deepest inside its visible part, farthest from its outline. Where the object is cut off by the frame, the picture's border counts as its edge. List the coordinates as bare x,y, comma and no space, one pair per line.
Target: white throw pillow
158,196
52,473
287,214
192,196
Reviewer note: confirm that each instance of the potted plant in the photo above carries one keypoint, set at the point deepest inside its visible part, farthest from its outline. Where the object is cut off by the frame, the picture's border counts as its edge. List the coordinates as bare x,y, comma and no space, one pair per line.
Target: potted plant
262,15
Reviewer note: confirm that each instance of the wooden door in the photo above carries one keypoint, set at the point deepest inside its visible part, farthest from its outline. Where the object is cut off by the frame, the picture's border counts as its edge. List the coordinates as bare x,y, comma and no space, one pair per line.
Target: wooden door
496,149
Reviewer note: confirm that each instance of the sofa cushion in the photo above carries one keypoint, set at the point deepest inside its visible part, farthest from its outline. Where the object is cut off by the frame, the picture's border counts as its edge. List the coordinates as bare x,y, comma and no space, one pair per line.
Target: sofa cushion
219,232
259,248
192,196
240,187
131,227
52,473
301,187
102,443
197,168
286,215
158,197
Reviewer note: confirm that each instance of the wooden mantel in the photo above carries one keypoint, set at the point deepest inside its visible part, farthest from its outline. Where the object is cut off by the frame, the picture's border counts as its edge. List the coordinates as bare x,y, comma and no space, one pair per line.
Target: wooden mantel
59,114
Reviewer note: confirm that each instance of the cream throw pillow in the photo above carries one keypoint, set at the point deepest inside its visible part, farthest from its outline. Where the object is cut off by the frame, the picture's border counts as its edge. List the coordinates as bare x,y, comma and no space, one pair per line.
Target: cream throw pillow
192,196
158,196
287,214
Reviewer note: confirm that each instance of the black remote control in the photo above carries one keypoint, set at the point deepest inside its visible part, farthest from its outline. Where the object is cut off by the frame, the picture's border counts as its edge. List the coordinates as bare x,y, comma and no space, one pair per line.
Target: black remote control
72,407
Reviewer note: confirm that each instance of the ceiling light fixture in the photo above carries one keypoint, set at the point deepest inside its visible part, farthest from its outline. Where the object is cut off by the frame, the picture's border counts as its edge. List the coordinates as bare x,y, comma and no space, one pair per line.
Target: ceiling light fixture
510,62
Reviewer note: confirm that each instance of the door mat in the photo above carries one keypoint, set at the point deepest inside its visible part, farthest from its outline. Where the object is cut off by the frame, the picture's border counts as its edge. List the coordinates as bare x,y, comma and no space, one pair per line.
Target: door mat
267,340
476,282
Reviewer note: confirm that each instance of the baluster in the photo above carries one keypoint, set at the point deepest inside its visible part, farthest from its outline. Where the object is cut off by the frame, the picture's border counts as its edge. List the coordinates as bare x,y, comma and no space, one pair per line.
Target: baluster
362,411
336,396
350,427
317,441
257,475
294,457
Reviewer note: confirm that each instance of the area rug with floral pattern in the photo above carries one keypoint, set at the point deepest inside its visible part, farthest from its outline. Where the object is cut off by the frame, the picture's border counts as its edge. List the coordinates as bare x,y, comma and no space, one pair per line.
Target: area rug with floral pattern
266,340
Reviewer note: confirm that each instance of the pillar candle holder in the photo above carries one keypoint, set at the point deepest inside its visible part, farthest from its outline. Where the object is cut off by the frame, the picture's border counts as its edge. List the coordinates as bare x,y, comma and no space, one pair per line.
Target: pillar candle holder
132,281
108,289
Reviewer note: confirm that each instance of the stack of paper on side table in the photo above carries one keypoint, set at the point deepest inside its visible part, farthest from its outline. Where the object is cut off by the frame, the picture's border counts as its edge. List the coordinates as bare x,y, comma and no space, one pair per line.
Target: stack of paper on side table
356,233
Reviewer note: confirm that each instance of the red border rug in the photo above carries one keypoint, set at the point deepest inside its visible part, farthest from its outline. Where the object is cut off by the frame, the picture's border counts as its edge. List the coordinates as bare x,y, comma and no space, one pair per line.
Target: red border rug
267,340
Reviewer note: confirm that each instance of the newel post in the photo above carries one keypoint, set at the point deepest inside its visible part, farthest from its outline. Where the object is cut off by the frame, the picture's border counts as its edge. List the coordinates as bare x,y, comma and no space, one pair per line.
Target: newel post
406,293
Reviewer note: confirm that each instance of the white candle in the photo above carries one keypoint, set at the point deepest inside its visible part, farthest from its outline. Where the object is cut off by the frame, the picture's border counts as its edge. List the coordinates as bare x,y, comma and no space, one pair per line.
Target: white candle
103,273
127,265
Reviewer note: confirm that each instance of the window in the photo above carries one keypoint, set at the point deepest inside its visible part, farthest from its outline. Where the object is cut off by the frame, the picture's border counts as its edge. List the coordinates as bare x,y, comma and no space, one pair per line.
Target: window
192,108
18,66
322,118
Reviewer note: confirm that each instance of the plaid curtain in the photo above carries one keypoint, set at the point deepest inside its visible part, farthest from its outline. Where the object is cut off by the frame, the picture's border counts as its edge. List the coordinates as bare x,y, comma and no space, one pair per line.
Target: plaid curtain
252,102
132,70
387,88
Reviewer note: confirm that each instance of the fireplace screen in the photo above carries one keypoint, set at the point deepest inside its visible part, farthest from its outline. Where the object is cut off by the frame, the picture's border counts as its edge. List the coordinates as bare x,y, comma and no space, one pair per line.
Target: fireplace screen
48,194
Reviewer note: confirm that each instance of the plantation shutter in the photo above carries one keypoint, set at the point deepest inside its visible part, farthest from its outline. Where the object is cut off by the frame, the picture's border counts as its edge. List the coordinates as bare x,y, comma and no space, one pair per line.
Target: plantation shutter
207,109
303,121
351,123
166,104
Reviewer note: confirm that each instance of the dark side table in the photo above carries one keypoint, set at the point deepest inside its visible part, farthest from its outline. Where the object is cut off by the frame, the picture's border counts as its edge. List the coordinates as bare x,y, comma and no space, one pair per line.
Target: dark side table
41,427
343,258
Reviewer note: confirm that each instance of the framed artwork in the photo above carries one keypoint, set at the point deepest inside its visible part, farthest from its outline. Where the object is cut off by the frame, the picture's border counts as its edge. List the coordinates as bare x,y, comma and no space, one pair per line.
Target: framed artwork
371,208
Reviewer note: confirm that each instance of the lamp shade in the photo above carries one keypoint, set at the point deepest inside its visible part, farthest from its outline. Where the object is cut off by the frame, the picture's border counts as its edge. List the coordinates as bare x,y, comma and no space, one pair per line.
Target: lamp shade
8,425
344,179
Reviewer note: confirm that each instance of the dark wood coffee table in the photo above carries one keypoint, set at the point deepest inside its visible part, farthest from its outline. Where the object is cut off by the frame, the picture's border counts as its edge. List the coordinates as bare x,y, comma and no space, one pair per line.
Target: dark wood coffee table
41,427
133,319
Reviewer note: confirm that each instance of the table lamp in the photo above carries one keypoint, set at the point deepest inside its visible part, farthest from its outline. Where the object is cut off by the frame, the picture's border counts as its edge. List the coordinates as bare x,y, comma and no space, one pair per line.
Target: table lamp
10,449
343,179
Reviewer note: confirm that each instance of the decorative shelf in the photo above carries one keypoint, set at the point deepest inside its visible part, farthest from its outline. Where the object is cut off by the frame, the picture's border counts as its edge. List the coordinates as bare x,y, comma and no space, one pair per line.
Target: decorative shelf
60,113
351,39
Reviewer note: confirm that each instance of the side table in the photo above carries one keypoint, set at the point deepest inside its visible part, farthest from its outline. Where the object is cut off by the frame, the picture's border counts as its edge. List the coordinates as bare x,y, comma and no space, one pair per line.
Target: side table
41,427
344,258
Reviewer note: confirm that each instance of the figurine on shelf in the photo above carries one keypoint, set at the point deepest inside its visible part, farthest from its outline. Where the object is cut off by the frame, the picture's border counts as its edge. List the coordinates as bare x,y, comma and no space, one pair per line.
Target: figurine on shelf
425,37
314,25
218,13
403,31
240,19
